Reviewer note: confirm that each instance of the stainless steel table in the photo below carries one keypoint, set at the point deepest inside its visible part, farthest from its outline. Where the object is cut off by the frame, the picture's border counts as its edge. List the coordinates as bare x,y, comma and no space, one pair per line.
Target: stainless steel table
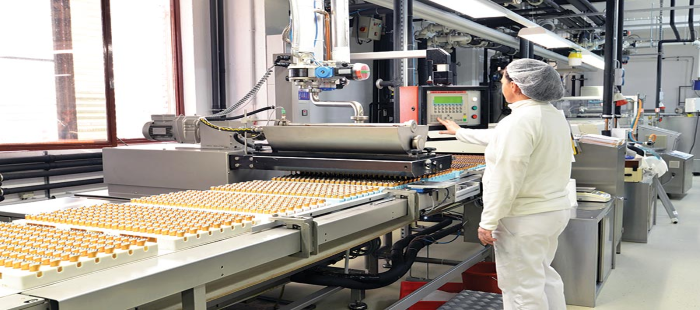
585,256
640,207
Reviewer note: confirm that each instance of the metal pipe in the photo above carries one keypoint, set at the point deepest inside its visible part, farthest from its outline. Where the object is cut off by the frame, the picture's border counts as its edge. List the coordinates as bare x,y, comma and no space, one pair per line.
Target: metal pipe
340,23
424,11
23,189
620,27
652,9
673,22
609,54
437,261
659,56
421,53
356,106
56,165
327,49
661,21
691,25
398,64
49,158
651,29
628,26
485,76
585,6
524,48
51,173
411,77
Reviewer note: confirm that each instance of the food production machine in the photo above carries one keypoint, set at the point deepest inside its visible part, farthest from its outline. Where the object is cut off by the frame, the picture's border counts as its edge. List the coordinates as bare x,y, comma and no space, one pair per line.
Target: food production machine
234,207
235,239
315,191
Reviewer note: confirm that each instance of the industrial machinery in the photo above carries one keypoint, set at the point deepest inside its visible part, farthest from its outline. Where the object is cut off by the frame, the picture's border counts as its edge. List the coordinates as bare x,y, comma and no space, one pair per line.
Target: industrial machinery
679,178
235,207
209,237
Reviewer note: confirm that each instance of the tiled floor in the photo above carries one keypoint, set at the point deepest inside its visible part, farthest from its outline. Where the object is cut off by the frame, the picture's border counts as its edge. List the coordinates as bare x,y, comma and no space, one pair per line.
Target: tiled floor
662,274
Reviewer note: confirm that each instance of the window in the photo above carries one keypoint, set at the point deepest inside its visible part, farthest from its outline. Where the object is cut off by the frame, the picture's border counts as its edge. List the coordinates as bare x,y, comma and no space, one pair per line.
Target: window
143,63
53,70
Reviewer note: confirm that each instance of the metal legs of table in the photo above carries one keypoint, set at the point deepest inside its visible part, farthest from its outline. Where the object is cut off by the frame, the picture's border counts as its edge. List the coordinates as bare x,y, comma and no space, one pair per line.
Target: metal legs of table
672,213
388,241
194,298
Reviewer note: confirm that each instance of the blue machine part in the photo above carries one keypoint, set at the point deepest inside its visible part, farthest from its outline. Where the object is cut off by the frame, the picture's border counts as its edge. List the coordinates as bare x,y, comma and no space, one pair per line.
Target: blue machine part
696,84
324,72
304,95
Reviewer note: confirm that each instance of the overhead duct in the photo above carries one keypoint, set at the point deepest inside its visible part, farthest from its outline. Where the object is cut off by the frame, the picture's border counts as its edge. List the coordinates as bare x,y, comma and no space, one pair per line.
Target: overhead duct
424,11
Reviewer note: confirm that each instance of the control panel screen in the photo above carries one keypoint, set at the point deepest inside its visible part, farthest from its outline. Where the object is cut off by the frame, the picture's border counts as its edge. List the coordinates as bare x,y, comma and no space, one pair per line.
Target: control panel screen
461,106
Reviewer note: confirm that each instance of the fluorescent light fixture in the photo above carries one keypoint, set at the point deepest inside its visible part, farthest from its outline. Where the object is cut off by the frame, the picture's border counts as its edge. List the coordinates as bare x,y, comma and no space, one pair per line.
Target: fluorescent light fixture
474,8
544,37
593,60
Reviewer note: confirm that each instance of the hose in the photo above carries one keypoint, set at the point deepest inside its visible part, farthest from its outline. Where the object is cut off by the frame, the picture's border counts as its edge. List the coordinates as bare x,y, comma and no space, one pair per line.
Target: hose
401,262
244,115
251,94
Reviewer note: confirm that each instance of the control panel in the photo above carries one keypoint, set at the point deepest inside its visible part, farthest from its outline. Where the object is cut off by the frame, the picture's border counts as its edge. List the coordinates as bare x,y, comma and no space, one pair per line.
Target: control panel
462,104
369,28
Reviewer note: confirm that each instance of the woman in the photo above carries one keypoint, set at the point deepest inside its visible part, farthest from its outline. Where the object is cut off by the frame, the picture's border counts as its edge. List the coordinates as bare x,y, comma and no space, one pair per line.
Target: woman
528,165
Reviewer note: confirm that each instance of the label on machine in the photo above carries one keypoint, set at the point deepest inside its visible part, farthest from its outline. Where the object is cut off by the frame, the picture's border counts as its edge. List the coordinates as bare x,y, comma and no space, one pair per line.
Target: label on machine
461,106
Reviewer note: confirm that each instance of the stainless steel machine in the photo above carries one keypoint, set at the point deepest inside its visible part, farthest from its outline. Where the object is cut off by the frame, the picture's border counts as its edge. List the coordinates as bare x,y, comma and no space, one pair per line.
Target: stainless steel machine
689,142
679,178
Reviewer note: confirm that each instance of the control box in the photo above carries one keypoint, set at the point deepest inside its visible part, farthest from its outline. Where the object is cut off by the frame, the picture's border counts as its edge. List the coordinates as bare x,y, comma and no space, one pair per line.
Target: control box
465,105
692,105
369,28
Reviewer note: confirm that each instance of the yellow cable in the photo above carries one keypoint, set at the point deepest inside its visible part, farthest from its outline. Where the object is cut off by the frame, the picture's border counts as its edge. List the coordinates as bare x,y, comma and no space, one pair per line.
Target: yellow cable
206,122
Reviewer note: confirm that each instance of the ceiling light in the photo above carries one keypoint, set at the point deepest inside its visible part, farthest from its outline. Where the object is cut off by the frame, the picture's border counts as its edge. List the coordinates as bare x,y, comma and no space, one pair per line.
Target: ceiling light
593,60
474,8
544,37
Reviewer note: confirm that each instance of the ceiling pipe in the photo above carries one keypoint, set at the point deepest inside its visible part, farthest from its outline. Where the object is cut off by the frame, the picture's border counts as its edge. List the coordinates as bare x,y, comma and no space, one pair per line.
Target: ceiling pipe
626,12
424,11
585,6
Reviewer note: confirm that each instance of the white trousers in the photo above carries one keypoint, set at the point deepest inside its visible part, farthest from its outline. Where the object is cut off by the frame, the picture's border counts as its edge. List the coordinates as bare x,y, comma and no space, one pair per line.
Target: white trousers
525,248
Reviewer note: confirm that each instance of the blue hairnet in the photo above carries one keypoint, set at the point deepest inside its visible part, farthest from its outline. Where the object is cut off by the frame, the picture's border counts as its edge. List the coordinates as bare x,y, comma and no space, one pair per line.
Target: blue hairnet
536,79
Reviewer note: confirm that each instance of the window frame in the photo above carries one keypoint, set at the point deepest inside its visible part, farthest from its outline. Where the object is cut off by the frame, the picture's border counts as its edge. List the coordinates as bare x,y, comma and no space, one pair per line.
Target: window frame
110,104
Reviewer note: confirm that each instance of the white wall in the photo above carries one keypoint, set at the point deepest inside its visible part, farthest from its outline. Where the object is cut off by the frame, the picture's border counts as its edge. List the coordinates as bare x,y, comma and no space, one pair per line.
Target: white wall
640,72
640,75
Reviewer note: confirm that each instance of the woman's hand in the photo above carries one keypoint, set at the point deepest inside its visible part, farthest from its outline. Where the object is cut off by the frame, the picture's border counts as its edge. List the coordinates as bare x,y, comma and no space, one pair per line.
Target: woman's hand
451,126
486,236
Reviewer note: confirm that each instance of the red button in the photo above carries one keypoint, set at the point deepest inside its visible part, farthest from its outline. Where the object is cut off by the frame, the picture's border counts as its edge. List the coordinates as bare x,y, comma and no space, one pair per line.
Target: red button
474,116
363,29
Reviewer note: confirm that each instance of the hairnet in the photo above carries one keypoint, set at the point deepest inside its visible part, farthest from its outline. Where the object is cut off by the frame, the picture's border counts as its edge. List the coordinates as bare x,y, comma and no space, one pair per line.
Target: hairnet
536,79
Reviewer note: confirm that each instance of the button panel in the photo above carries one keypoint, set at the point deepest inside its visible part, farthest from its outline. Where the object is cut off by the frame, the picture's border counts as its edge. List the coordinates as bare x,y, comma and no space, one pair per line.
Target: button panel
460,106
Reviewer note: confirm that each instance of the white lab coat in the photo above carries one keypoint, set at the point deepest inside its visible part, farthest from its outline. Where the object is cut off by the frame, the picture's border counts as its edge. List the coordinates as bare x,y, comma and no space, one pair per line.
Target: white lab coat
528,165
